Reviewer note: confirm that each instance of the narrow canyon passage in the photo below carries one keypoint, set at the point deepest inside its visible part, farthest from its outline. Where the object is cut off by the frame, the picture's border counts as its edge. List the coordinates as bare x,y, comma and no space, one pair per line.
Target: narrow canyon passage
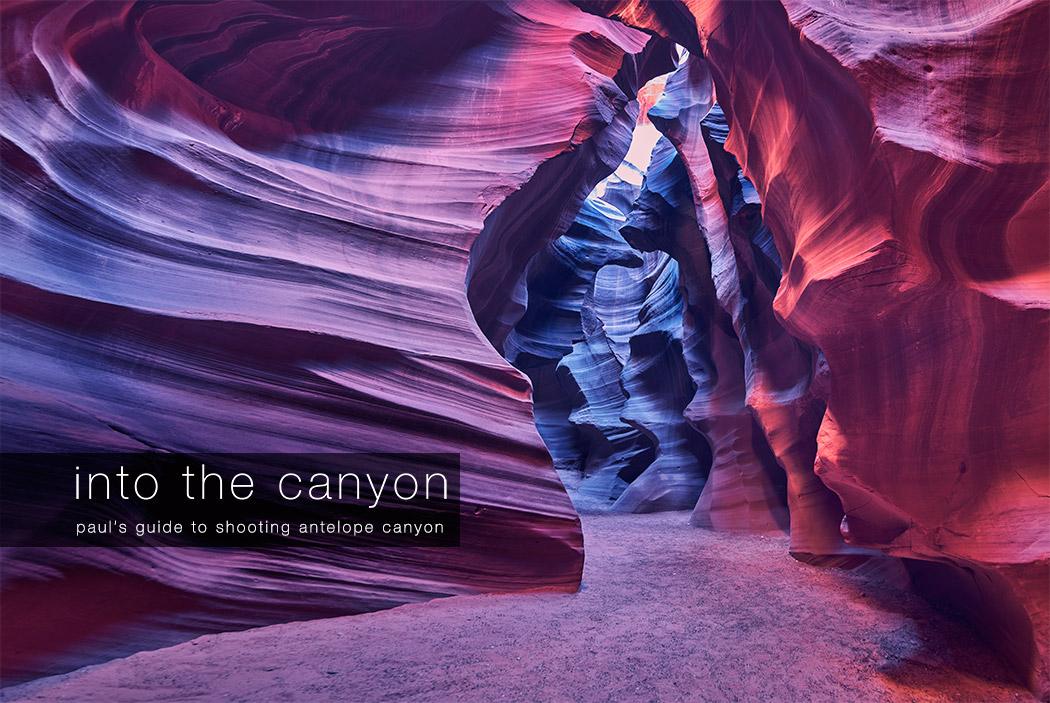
666,612
763,284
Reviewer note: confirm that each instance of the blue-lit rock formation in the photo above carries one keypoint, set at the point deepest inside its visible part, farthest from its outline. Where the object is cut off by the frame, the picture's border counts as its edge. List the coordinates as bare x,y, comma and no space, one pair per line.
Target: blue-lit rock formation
601,340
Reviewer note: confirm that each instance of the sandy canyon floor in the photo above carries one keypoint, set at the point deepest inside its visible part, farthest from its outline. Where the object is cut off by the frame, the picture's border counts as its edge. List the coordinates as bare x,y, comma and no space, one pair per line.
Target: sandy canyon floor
667,612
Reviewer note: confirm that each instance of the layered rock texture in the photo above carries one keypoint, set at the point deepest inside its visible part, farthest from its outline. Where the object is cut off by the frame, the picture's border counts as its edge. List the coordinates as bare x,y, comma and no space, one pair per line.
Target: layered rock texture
814,297
247,227
900,154
602,341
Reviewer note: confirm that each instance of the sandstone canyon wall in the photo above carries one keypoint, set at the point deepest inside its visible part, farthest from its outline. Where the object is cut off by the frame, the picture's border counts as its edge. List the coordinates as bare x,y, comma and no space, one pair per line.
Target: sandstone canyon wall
900,155
247,227
317,227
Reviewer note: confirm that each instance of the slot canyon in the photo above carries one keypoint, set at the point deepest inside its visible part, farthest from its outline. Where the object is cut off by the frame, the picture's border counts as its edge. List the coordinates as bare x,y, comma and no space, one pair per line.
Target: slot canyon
759,282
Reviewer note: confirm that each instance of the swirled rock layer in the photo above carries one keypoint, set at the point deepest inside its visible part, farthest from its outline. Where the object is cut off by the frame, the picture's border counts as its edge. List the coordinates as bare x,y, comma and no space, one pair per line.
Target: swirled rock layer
900,152
247,227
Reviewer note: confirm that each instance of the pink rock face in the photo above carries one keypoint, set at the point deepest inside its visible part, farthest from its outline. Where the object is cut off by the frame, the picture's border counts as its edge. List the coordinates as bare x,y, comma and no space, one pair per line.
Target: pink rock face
215,216
299,227
900,152
762,404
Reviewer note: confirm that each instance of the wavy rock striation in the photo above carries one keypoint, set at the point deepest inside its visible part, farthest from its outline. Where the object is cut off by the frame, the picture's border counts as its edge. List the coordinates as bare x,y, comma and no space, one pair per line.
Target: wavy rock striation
655,379
559,281
601,340
316,227
762,391
744,490
900,153
216,216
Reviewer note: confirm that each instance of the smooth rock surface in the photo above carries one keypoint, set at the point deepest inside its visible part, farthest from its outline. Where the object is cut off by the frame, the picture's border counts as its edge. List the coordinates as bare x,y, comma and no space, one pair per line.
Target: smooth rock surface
205,252
900,152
